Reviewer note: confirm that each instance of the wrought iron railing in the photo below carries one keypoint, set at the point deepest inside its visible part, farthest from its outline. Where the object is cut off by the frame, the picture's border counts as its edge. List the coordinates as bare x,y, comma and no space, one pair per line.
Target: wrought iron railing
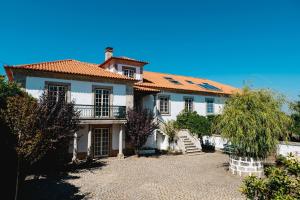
101,112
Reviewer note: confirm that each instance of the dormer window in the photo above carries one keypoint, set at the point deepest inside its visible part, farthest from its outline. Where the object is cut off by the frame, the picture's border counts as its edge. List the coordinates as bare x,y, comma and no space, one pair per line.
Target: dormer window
129,72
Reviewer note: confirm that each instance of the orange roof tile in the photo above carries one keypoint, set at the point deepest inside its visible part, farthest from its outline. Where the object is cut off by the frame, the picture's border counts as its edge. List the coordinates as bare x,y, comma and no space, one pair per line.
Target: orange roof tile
70,67
145,89
123,59
157,80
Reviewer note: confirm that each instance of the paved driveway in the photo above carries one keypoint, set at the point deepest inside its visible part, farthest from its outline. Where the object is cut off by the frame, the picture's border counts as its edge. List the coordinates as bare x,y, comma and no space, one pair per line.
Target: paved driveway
166,177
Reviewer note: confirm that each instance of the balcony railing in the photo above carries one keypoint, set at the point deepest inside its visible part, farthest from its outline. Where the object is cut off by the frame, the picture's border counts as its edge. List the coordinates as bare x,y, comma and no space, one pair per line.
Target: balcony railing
101,112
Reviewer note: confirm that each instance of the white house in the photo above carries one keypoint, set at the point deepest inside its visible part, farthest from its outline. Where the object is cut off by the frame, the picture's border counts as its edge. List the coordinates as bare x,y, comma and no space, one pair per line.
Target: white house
103,92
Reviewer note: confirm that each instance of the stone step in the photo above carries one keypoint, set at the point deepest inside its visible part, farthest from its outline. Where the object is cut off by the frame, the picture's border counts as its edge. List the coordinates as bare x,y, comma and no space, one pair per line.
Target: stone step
191,147
195,154
187,143
183,136
193,151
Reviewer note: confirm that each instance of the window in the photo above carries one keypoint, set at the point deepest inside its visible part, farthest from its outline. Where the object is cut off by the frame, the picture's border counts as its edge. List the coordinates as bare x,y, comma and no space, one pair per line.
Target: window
172,80
102,102
209,105
190,82
129,72
164,105
188,104
209,87
57,93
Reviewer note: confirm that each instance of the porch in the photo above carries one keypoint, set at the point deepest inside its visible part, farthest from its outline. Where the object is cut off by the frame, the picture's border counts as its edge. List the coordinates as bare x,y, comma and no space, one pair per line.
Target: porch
98,138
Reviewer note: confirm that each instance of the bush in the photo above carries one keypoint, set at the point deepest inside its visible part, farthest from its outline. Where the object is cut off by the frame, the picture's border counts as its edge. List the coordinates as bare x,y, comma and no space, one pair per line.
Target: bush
140,125
281,182
196,124
295,107
208,147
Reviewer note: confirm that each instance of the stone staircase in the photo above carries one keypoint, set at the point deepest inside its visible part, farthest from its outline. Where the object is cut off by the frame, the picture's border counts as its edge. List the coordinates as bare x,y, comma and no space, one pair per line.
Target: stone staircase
190,147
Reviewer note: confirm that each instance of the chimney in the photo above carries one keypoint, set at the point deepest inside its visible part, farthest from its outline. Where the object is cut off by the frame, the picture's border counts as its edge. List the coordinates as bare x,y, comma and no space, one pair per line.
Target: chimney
108,53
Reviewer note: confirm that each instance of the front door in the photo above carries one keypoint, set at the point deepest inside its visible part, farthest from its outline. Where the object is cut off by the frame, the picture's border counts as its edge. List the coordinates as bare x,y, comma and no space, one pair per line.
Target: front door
101,142
102,102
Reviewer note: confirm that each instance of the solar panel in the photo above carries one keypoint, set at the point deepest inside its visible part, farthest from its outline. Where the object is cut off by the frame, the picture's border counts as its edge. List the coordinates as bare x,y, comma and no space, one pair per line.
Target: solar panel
209,87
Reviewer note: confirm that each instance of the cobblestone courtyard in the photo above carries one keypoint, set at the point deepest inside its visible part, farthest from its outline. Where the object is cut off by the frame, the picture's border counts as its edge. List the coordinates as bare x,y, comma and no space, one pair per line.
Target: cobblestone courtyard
202,176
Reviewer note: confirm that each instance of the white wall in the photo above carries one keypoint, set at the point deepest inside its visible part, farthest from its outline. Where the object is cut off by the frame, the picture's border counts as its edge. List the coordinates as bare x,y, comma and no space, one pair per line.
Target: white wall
177,104
81,91
291,147
217,140
119,70
115,137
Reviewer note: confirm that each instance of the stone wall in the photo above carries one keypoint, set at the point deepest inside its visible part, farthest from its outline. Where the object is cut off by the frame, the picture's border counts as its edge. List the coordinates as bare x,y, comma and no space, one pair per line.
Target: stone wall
245,166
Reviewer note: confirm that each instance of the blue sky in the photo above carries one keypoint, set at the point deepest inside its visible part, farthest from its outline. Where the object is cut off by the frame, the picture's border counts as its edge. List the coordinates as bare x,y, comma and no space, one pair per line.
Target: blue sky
234,42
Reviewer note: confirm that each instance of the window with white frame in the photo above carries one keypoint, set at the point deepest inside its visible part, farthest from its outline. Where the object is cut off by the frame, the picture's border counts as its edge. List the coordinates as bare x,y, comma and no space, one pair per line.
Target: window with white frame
129,72
188,104
164,105
209,105
57,93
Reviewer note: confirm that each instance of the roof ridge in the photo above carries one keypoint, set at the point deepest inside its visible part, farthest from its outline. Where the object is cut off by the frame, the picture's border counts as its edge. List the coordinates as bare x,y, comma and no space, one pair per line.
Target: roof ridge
178,75
46,62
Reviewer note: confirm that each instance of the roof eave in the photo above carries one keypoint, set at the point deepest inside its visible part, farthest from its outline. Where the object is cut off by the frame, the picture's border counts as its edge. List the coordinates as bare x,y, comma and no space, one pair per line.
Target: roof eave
9,72
124,59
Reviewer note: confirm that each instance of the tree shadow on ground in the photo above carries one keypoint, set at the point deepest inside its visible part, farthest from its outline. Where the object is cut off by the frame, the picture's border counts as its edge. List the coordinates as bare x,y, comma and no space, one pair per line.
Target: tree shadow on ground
225,166
55,186
87,165
51,188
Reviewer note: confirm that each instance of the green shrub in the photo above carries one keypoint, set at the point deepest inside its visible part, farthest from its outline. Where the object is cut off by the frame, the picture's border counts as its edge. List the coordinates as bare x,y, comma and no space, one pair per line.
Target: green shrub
295,107
281,182
195,123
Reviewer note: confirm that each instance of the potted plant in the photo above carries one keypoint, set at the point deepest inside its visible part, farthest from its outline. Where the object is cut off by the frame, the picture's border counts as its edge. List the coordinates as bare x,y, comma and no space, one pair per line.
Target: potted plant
252,122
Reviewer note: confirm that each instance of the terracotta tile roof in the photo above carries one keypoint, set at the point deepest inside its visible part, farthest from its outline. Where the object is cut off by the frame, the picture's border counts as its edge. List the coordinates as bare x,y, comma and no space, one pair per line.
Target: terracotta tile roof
70,67
158,81
145,89
122,58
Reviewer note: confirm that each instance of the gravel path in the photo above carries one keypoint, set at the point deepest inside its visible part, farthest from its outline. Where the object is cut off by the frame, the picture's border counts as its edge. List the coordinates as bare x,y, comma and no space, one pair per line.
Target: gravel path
166,177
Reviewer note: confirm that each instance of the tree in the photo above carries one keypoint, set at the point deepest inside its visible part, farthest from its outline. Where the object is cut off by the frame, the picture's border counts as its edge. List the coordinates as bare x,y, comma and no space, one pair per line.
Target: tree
296,117
170,129
58,122
42,131
196,124
252,121
281,182
7,140
140,125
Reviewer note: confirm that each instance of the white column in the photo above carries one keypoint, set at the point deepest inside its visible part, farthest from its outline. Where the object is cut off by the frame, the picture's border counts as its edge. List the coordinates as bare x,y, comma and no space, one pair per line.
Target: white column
75,148
120,154
154,105
89,144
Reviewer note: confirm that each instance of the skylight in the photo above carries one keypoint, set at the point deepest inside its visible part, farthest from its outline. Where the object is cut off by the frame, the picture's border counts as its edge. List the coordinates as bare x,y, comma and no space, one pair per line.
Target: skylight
190,82
172,80
209,87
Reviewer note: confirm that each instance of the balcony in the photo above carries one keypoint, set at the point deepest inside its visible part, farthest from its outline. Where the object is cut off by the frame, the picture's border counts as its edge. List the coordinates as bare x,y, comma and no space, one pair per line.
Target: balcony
101,112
